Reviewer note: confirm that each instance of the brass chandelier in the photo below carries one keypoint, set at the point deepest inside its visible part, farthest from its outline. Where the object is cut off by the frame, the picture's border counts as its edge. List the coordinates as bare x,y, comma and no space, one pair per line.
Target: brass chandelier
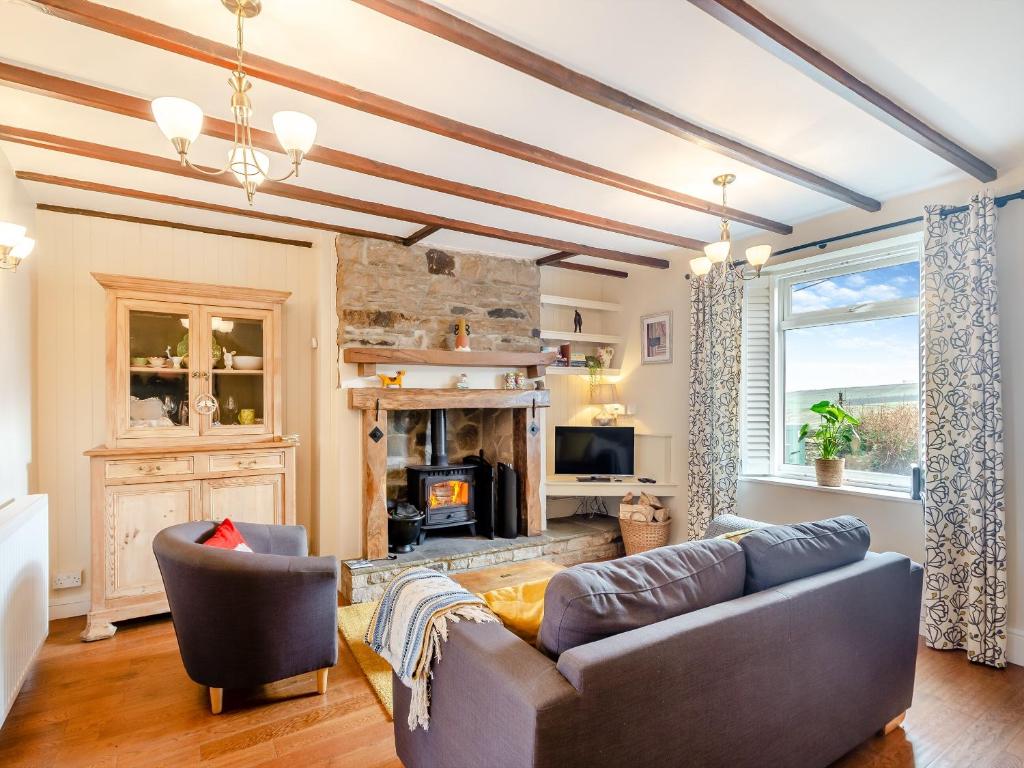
720,252
14,245
182,121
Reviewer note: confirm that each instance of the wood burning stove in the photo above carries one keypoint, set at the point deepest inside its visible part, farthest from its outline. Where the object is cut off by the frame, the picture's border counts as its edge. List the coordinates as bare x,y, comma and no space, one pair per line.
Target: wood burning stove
445,492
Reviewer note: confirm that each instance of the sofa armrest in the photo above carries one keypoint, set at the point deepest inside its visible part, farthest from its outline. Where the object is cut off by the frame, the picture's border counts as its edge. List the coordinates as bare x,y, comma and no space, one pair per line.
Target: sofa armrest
246,619
494,699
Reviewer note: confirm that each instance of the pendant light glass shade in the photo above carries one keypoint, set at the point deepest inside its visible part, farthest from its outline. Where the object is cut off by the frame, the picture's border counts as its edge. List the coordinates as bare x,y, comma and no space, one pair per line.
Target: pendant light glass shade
295,131
178,118
23,248
700,265
248,162
717,252
10,234
757,256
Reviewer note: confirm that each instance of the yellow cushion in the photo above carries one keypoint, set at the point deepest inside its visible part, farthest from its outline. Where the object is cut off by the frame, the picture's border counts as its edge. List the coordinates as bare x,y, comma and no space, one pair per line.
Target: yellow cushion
736,535
520,608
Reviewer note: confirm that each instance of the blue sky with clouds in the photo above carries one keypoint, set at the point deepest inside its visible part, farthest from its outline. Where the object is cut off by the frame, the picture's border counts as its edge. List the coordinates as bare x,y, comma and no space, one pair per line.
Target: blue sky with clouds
857,354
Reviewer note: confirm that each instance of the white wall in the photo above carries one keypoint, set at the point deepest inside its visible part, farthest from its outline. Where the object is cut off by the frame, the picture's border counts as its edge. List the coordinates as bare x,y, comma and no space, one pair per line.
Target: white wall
70,398
899,526
16,298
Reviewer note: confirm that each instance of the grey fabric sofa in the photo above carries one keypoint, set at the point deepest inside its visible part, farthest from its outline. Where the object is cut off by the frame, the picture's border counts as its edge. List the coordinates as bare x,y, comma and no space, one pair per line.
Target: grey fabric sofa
245,619
792,676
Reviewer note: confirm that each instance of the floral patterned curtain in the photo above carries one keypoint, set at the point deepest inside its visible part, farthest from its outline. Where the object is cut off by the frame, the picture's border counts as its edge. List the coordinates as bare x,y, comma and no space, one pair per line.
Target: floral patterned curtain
965,568
716,321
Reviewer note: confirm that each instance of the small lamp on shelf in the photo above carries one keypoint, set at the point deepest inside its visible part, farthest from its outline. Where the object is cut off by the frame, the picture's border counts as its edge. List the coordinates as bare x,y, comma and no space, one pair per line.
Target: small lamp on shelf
607,396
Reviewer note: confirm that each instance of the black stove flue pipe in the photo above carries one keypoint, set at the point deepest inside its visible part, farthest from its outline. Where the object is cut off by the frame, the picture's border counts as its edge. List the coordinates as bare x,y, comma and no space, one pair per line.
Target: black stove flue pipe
439,437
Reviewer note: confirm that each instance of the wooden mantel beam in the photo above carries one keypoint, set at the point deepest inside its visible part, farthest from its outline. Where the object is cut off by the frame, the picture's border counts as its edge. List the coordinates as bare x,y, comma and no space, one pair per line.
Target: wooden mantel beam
87,95
436,21
307,195
149,32
589,268
762,31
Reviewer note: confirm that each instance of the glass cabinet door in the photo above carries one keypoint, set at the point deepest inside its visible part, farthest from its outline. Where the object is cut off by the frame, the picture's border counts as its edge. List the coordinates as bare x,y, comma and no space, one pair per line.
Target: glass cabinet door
237,353
154,367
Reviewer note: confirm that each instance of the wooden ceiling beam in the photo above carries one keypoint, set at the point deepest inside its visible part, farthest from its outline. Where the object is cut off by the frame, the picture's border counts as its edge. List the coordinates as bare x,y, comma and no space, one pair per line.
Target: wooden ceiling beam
552,258
202,205
172,225
419,234
149,32
765,33
87,95
307,195
440,23
589,268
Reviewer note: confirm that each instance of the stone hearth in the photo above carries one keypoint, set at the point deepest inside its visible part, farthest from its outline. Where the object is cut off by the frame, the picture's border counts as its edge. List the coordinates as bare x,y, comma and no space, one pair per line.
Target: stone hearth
567,541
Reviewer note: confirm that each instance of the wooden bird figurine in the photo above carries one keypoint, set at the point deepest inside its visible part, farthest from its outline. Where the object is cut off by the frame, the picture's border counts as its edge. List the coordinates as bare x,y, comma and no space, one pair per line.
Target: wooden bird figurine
388,382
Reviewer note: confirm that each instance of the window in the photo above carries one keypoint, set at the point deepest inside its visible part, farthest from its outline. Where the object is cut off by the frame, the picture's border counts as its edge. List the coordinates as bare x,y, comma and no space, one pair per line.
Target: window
841,328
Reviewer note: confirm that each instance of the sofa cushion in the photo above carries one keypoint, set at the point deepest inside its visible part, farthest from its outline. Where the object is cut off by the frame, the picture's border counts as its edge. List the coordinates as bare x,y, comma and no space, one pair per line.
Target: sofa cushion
780,553
729,523
596,600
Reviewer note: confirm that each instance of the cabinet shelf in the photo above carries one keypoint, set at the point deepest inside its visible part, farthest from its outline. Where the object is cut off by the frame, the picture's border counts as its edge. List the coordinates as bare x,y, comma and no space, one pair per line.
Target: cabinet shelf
569,301
158,371
583,338
236,372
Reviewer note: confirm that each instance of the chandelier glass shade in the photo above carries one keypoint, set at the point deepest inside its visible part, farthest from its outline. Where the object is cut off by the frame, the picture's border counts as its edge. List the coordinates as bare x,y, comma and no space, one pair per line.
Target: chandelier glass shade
181,122
720,252
14,246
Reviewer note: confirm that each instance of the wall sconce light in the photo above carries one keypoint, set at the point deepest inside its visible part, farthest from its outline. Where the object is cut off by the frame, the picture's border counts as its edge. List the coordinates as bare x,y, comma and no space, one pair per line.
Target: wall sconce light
14,246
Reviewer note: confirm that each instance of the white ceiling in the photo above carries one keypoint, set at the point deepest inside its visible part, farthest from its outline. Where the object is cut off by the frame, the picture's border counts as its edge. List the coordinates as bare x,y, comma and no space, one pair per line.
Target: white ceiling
958,67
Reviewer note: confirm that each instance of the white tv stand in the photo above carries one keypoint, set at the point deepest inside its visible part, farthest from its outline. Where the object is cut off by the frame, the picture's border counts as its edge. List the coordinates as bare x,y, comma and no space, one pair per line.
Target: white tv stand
567,485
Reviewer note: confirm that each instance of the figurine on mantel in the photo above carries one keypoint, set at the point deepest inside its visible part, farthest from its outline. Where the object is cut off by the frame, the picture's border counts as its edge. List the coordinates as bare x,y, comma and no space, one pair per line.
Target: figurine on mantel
388,381
577,322
461,331
462,382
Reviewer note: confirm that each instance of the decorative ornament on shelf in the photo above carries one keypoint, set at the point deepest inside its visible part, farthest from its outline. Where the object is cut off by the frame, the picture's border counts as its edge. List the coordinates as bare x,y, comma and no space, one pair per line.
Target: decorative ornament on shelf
229,359
577,322
389,382
182,121
461,331
720,252
510,380
14,246
462,382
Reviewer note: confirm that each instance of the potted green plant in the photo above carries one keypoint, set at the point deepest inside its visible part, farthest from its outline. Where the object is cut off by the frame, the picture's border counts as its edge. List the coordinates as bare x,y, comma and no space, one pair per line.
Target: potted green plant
834,436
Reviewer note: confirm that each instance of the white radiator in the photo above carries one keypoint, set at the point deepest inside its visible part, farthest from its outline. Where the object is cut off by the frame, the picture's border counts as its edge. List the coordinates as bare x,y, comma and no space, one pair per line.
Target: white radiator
24,591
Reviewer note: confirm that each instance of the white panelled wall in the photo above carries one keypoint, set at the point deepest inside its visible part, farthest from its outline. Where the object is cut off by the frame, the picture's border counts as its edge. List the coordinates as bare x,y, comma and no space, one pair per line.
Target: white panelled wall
70,367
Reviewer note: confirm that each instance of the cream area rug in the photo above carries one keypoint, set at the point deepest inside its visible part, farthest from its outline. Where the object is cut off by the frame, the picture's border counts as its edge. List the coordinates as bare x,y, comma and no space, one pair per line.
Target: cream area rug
353,621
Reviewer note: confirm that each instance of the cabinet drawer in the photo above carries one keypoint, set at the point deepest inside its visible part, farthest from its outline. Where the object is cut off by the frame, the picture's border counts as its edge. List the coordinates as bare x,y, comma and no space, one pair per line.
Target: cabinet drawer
229,462
151,467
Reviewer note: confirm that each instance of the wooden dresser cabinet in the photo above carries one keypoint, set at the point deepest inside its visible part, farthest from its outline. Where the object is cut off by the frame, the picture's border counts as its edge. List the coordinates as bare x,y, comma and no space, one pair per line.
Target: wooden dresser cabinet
193,429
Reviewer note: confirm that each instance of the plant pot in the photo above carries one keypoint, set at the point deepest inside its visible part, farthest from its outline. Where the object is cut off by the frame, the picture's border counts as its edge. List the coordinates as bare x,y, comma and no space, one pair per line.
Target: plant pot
829,472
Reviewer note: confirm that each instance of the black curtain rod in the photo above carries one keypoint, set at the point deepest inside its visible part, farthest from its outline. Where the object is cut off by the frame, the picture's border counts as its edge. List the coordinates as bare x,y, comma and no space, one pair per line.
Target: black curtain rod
1000,201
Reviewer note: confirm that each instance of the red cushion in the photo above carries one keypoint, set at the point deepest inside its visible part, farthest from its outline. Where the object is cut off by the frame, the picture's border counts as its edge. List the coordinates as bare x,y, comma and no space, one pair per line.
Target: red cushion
227,537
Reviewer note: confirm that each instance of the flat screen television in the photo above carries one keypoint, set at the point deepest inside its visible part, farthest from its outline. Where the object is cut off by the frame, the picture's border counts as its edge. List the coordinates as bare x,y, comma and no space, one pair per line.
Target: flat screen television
593,451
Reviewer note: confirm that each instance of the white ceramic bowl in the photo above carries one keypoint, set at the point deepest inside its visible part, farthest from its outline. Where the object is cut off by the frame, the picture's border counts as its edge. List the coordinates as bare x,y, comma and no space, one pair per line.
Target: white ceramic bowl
247,363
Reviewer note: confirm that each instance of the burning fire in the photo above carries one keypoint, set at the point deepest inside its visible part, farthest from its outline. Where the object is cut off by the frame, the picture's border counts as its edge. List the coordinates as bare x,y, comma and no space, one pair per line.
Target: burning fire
450,493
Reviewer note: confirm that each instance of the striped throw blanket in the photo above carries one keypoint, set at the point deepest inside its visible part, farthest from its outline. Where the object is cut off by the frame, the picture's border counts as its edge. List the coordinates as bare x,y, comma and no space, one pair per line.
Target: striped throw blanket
411,622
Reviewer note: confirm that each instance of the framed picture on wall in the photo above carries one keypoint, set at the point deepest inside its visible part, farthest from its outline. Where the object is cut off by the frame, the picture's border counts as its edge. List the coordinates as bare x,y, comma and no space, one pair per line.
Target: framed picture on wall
656,334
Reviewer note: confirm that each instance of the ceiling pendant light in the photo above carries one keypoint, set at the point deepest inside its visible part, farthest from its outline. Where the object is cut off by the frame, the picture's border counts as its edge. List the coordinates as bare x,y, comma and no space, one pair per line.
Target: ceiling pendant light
720,252
181,122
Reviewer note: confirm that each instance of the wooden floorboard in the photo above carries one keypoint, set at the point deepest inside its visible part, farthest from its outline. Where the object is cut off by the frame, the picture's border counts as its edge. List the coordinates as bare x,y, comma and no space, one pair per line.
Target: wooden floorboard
127,703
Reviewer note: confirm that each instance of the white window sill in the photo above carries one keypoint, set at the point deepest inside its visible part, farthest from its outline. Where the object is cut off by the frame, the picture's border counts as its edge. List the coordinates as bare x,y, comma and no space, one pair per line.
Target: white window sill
902,497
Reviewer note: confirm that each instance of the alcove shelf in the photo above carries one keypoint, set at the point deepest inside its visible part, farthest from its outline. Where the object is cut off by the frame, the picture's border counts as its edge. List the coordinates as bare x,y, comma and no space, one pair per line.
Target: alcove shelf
369,357
583,338
565,370
570,301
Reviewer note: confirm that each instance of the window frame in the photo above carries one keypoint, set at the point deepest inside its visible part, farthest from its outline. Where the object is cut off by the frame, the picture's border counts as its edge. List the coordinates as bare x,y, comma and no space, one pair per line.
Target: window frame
900,250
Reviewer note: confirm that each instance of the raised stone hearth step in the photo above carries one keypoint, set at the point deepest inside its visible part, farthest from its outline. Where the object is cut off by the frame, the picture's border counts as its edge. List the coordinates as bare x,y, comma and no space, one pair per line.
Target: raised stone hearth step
567,541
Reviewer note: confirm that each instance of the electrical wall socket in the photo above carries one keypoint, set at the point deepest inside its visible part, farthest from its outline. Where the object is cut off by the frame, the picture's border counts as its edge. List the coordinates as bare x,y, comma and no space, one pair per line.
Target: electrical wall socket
67,580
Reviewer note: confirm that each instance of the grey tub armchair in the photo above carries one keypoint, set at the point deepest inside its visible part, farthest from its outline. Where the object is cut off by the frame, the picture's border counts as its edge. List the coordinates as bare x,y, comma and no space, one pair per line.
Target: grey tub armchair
248,619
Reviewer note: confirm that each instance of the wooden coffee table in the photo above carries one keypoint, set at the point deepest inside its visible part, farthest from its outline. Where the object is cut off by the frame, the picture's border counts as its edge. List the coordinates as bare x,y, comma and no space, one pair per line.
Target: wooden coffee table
507,575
